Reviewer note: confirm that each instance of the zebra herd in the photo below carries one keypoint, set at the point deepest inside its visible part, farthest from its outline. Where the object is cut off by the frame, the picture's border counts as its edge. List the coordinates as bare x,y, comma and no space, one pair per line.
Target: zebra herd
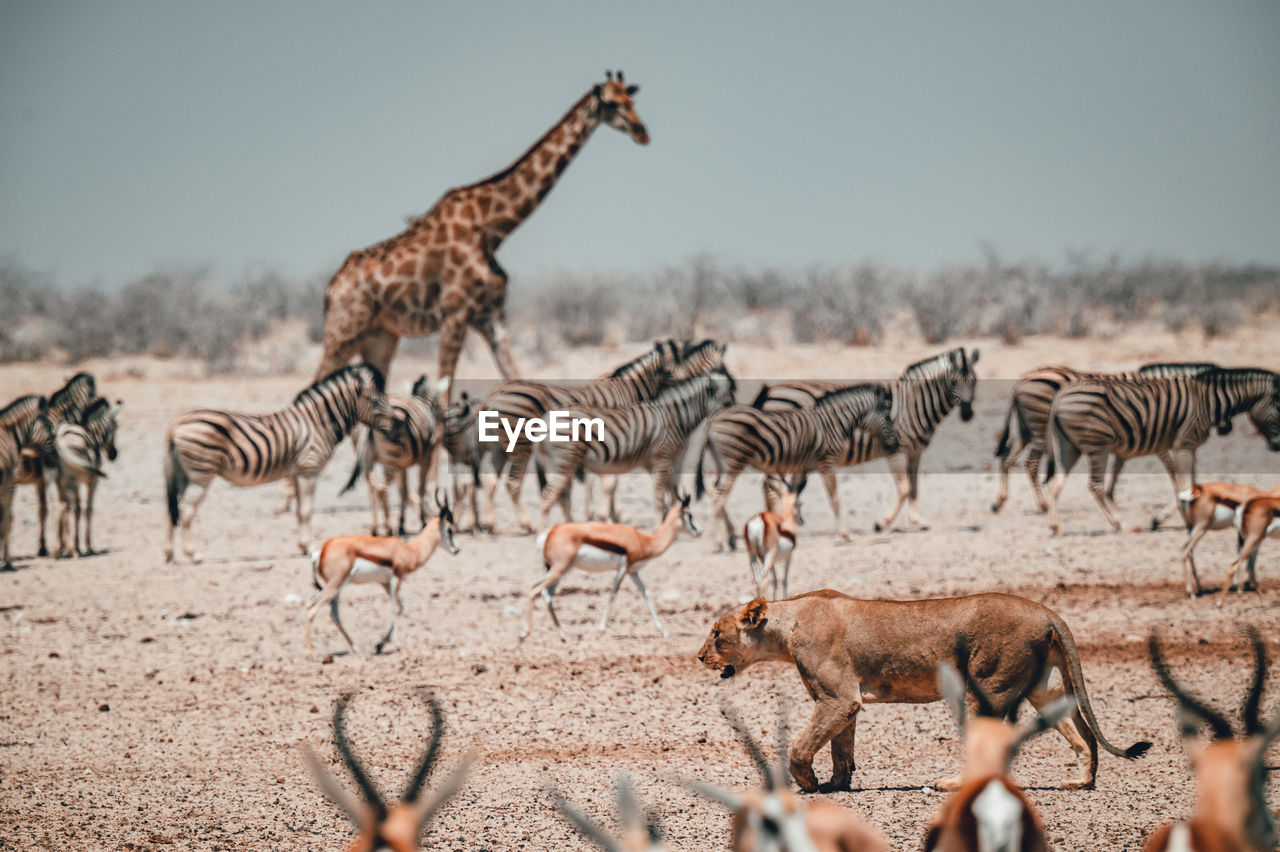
672,405
56,441
1164,410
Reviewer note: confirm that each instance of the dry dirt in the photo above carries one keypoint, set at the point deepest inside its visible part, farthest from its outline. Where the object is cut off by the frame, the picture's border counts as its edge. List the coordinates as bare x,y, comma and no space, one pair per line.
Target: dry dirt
153,706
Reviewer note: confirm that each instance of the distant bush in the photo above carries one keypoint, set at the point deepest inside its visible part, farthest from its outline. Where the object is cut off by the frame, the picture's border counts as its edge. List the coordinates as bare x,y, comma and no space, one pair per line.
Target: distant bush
185,312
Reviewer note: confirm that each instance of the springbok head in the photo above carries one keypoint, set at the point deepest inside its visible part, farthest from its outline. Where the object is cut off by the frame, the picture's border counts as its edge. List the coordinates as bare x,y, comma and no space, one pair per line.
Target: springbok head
640,832
615,108
393,828
1229,769
686,514
773,818
445,514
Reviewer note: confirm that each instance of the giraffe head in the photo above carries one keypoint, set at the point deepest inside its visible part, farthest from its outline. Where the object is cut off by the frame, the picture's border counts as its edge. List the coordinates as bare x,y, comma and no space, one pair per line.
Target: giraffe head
615,108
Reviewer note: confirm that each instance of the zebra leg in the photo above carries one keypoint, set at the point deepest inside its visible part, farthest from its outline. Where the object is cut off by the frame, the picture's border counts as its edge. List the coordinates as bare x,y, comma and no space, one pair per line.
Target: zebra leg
1097,480
913,478
405,499
188,503
609,490
1117,465
79,515
1181,465
286,499
42,498
1066,454
393,596
306,496
90,489
617,581
1032,465
1006,464
833,496
556,485
66,493
6,519
515,479
720,515
489,480
644,592
786,572
899,467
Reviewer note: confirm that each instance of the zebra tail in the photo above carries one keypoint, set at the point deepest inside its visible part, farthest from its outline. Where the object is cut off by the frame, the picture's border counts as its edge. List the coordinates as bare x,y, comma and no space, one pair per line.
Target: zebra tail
175,481
359,465
1002,448
699,488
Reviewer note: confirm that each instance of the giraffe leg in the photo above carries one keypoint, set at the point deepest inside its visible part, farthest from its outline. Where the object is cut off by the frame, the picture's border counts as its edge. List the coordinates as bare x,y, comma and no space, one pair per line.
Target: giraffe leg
453,333
378,348
493,328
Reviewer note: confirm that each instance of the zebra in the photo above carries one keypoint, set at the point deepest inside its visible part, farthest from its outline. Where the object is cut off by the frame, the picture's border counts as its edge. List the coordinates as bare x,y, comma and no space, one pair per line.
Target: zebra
24,424
835,432
408,437
1024,427
636,381
923,395
460,439
79,448
1169,417
652,435
252,449
38,463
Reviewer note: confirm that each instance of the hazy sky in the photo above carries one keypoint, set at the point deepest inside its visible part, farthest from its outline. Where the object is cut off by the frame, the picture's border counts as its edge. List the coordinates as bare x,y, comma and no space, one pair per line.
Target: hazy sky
235,134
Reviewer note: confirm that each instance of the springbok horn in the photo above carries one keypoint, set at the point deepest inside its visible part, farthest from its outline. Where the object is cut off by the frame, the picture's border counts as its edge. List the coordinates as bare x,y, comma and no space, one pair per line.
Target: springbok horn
445,790
752,747
729,799
433,748
332,790
583,823
628,805
1220,726
371,795
1252,725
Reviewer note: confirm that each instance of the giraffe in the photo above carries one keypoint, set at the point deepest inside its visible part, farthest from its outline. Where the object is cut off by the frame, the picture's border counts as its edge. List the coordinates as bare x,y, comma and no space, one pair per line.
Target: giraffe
440,273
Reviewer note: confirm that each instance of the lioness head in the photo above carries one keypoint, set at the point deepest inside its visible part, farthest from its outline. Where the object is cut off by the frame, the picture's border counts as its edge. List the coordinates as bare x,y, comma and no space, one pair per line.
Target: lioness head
737,640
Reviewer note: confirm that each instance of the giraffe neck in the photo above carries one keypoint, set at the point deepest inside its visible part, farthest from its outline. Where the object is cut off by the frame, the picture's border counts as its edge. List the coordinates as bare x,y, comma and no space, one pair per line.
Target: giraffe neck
515,192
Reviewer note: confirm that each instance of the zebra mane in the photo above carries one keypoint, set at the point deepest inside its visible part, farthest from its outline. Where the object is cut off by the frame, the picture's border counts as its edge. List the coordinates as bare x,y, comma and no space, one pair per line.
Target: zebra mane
96,411
22,409
935,365
645,361
868,391
692,387
340,376
59,397
692,350
1240,373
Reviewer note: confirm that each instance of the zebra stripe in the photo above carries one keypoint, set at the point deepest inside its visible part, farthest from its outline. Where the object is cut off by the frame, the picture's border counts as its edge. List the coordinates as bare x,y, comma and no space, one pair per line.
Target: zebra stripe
407,436
252,449
923,396
1028,415
836,432
79,448
1136,416
652,435
636,381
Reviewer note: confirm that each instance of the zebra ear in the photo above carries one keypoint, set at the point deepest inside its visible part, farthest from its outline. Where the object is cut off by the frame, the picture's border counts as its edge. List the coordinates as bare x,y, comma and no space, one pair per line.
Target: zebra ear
973,358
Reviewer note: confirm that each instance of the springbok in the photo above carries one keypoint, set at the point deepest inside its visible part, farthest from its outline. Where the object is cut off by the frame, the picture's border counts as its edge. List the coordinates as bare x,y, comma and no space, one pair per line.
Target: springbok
774,819
80,448
1256,519
640,832
395,828
1212,506
988,812
771,536
1231,807
354,559
599,546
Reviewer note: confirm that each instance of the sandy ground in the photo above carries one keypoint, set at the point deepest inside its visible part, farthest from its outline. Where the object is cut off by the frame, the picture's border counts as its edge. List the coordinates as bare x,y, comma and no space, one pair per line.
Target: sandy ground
153,706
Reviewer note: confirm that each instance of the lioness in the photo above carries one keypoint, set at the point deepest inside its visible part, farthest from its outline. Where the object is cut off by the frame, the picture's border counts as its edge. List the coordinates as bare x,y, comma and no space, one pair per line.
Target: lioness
851,652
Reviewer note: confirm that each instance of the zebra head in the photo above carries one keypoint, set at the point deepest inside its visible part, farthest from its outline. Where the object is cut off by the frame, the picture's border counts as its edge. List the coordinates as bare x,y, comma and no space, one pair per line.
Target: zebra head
100,422
69,402
878,419
1266,416
964,381
371,403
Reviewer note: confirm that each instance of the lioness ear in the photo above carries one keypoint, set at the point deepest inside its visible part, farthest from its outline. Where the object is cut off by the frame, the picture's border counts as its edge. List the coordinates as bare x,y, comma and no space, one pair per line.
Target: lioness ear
753,616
